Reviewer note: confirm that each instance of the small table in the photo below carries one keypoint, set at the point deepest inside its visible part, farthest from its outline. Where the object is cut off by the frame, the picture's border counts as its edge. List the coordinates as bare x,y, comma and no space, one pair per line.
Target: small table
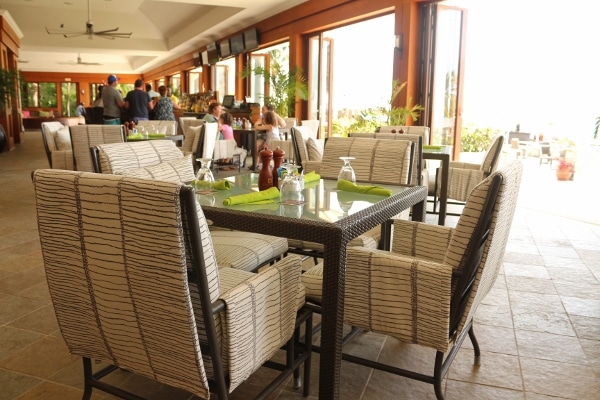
444,156
321,219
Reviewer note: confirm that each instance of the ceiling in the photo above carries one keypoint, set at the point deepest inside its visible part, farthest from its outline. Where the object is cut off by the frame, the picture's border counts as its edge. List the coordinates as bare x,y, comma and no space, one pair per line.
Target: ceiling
161,30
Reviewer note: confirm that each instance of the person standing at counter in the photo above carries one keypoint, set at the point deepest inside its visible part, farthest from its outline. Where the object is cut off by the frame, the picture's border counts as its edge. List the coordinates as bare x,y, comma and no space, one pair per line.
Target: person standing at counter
138,102
113,102
163,108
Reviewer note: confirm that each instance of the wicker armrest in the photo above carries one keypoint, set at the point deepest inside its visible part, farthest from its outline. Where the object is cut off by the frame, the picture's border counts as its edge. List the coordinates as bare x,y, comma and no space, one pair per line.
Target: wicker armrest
416,239
406,297
262,307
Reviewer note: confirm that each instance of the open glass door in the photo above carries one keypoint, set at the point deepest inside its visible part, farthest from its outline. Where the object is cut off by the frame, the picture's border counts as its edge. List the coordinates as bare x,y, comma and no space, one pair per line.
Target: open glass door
442,70
320,54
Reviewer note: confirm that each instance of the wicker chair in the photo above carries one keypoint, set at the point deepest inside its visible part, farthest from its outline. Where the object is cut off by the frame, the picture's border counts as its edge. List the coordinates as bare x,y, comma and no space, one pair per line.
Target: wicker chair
463,177
57,144
378,161
427,289
135,285
84,137
162,160
169,127
302,137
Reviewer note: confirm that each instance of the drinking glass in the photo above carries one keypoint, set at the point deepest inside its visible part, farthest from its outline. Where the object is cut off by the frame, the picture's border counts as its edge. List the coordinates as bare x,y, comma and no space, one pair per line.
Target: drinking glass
291,187
204,177
347,172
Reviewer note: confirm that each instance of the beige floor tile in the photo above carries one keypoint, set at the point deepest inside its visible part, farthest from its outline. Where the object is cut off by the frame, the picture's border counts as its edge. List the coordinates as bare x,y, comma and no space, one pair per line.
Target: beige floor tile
42,320
558,379
530,284
13,307
15,339
466,390
543,321
549,346
500,370
41,359
51,391
13,384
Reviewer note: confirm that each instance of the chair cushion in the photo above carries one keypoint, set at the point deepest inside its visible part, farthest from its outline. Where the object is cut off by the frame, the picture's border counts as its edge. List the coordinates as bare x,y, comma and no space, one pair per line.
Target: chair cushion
246,250
315,149
62,138
178,170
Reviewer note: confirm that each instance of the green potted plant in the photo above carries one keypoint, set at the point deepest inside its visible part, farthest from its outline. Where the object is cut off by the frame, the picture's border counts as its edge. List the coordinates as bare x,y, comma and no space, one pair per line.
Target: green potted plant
285,87
9,86
399,115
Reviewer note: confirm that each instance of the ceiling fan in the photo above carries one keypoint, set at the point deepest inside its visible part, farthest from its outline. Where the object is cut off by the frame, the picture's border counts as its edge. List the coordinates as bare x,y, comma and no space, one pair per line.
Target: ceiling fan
79,62
89,30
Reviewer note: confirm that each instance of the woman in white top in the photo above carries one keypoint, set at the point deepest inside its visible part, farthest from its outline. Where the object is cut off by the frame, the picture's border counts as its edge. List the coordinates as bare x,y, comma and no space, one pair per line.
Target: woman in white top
268,130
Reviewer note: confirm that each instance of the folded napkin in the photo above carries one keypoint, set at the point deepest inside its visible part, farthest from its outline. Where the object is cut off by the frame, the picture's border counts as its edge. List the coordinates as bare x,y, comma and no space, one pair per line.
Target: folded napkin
218,185
156,135
311,177
135,137
262,197
223,184
432,147
348,186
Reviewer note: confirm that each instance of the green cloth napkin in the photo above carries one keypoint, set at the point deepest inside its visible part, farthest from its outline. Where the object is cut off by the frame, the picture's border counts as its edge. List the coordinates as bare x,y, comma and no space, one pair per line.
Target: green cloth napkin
135,137
262,197
348,186
223,184
156,135
311,177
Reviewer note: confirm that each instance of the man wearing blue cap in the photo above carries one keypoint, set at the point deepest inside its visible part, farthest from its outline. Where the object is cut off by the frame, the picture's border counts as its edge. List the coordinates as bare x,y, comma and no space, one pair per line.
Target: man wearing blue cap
113,102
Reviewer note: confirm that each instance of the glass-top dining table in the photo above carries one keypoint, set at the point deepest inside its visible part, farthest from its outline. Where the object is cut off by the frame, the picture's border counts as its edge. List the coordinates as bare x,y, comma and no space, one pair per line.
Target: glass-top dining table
327,216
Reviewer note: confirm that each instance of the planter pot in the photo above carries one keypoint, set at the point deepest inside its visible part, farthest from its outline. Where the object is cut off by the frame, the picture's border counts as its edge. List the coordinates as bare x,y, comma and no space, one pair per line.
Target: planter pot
563,174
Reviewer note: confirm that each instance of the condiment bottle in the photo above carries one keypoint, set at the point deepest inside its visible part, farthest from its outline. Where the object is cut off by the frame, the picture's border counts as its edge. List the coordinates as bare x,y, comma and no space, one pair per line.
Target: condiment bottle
265,176
278,154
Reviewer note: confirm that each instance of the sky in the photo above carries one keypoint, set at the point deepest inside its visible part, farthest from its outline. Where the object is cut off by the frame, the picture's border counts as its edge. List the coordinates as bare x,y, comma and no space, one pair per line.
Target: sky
534,63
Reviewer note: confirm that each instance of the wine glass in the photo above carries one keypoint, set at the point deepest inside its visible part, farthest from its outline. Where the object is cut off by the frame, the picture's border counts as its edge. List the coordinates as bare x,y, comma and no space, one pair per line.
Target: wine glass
291,187
347,172
204,177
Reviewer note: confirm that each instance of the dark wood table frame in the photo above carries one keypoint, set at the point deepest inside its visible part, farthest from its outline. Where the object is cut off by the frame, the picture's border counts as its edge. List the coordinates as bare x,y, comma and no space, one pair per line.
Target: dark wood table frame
334,236
445,159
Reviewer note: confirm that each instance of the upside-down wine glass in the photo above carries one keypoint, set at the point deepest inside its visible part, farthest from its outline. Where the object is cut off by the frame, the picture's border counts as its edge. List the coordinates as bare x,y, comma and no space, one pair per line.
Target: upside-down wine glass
291,187
204,177
347,172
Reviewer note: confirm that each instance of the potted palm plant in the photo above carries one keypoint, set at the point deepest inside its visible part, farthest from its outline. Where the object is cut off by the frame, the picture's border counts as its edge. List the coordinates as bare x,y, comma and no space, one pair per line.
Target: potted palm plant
9,89
285,86
399,115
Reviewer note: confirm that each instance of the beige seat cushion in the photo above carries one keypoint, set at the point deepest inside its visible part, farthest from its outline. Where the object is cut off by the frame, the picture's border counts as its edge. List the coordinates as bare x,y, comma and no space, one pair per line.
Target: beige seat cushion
246,250
314,148
190,142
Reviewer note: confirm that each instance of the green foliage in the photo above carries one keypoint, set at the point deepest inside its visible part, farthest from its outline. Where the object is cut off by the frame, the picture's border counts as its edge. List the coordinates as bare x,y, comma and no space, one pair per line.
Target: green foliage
399,115
597,128
9,86
476,139
285,87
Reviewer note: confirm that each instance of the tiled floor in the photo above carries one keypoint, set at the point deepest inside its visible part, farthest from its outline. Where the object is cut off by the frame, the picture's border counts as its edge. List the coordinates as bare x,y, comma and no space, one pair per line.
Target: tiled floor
539,329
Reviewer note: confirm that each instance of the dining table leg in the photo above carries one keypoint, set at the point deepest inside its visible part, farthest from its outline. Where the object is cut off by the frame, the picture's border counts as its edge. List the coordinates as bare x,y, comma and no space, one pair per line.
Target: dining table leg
332,308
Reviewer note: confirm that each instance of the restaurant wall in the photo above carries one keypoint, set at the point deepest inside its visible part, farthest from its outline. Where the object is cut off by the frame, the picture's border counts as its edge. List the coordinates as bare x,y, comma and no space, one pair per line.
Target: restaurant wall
319,15
10,119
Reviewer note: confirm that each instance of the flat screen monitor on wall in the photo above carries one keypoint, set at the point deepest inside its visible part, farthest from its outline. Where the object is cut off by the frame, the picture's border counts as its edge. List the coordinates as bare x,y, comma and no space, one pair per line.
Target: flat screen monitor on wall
224,49
228,101
213,53
251,39
237,44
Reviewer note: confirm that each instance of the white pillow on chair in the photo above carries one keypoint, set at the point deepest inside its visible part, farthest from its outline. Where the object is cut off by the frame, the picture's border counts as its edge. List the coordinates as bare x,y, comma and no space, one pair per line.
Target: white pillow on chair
315,149
190,142
62,139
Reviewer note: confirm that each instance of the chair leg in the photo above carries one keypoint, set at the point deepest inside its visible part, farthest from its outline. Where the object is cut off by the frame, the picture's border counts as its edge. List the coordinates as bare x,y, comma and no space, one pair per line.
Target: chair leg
87,378
438,375
475,346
